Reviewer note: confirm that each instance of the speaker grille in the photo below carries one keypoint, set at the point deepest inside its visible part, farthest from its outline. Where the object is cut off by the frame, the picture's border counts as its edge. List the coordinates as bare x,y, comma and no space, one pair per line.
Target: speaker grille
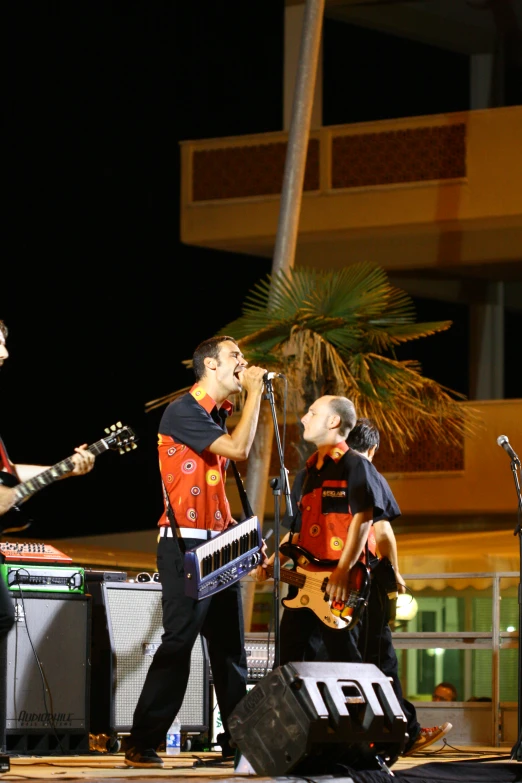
135,626
45,670
53,629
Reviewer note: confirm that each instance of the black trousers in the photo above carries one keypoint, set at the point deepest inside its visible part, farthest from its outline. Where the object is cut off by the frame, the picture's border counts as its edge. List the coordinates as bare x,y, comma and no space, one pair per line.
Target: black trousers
220,620
304,637
376,646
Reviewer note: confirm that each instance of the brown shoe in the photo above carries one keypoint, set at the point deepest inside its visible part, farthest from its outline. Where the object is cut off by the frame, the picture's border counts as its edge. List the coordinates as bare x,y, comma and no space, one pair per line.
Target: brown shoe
428,737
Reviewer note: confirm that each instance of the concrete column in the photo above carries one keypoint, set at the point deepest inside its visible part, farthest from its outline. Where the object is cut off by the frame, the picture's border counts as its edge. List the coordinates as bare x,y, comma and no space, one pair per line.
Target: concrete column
487,341
294,16
481,80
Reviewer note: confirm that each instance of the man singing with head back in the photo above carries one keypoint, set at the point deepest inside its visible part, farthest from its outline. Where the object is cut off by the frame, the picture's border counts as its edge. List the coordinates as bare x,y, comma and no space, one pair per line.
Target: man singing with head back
194,450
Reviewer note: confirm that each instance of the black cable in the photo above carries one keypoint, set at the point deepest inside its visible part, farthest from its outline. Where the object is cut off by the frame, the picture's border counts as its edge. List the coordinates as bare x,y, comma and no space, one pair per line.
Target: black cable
45,682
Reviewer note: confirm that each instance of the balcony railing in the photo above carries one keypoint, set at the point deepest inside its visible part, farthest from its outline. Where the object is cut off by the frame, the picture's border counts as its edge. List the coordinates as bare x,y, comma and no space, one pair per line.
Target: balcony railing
493,641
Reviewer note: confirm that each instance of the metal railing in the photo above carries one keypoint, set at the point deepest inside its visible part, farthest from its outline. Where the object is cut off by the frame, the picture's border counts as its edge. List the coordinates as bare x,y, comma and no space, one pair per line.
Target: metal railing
469,640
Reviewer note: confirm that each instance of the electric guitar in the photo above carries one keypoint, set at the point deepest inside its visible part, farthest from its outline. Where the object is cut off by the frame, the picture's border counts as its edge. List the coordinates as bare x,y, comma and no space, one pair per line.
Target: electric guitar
118,438
311,579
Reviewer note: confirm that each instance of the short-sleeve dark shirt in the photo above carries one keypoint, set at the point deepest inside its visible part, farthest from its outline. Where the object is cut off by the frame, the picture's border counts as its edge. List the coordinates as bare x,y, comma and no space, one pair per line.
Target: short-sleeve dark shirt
391,508
326,500
193,476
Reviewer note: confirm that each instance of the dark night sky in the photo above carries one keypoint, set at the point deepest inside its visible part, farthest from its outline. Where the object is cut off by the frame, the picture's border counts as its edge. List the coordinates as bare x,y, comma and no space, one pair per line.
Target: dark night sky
97,97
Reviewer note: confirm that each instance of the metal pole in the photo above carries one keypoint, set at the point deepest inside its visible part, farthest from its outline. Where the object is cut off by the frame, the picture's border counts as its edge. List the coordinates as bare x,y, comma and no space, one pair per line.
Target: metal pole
286,239
298,136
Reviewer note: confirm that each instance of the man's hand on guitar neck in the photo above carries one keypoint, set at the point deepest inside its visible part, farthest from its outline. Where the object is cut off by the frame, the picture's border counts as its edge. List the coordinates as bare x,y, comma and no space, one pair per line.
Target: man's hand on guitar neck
260,572
82,459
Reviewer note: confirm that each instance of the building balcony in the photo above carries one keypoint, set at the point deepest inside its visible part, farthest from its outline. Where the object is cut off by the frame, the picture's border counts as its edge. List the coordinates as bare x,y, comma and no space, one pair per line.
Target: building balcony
437,193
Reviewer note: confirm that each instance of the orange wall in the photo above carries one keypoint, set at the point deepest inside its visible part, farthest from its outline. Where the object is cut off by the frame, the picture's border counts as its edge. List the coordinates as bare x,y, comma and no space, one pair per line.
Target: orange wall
485,486
396,225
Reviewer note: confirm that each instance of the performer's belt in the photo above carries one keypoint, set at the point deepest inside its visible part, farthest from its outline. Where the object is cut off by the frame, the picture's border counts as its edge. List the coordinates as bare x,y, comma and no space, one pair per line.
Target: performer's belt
188,532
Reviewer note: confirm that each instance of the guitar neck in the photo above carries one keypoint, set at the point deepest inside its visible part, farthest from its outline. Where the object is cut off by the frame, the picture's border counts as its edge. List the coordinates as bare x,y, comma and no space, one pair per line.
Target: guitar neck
289,577
27,489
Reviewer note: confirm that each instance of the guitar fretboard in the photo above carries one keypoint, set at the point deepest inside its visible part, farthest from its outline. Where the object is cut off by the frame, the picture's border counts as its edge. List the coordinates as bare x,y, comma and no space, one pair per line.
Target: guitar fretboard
289,577
58,471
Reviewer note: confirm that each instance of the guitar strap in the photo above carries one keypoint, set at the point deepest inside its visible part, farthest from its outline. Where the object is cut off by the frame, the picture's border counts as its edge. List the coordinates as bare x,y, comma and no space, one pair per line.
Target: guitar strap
247,508
5,462
178,555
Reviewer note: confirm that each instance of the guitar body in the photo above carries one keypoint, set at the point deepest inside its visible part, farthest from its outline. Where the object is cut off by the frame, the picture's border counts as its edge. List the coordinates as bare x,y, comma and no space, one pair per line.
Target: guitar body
311,576
14,520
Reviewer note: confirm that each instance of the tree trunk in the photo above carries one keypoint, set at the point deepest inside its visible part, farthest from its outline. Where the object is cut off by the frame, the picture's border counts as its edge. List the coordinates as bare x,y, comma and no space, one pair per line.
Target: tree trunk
285,244
256,482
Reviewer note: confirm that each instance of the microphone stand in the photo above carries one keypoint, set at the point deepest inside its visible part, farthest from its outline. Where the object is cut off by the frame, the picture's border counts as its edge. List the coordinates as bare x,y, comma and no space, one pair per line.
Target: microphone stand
278,485
516,752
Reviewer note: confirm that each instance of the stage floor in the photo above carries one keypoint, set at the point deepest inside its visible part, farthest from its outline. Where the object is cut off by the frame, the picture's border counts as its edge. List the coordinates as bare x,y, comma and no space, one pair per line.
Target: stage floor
206,767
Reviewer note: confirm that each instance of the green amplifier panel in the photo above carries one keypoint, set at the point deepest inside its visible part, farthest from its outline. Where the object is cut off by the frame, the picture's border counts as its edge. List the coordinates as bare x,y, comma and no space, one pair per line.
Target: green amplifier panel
45,578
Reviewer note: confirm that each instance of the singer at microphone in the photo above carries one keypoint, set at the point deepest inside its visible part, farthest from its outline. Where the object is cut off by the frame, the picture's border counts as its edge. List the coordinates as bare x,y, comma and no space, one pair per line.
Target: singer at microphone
503,441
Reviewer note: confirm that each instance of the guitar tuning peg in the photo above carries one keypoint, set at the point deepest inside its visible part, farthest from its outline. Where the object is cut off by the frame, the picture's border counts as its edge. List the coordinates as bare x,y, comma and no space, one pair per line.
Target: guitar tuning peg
107,430
113,427
119,424
134,446
122,451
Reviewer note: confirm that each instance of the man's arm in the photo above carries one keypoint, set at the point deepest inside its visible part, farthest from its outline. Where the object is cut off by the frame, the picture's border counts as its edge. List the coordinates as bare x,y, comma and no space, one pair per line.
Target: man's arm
82,459
260,571
337,587
387,545
237,444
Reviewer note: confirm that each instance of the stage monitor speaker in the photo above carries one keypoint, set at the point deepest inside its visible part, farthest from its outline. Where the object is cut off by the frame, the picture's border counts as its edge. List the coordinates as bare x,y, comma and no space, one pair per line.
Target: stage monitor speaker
319,718
126,632
44,675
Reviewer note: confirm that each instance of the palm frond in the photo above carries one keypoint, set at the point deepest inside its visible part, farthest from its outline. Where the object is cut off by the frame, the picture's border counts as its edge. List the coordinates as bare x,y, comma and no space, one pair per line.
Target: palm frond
334,332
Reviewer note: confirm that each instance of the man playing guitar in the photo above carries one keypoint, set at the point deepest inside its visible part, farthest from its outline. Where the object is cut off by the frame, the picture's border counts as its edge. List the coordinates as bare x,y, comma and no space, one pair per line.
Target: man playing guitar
375,636
335,498
83,462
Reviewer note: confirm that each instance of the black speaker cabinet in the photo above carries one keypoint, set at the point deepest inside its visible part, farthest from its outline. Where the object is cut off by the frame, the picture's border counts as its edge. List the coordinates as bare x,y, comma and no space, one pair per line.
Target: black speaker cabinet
44,675
310,718
126,632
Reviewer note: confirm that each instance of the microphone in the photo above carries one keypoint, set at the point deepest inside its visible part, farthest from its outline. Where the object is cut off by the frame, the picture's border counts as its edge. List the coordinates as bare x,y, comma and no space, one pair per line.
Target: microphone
269,376
503,441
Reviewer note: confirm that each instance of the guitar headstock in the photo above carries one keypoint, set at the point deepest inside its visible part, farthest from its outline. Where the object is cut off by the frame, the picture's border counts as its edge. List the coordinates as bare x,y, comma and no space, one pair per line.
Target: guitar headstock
120,438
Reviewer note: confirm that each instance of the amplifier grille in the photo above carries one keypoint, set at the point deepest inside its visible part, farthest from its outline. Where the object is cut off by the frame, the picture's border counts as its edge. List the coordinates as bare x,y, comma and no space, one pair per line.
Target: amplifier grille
134,622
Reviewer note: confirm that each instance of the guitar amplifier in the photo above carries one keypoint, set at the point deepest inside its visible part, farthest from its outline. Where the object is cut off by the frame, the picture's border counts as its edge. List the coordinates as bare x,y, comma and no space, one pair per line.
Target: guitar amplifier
126,632
45,675
23,577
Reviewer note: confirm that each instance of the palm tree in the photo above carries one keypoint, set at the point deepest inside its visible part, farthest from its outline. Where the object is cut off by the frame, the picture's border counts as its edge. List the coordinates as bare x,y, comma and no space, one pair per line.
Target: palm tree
336,332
